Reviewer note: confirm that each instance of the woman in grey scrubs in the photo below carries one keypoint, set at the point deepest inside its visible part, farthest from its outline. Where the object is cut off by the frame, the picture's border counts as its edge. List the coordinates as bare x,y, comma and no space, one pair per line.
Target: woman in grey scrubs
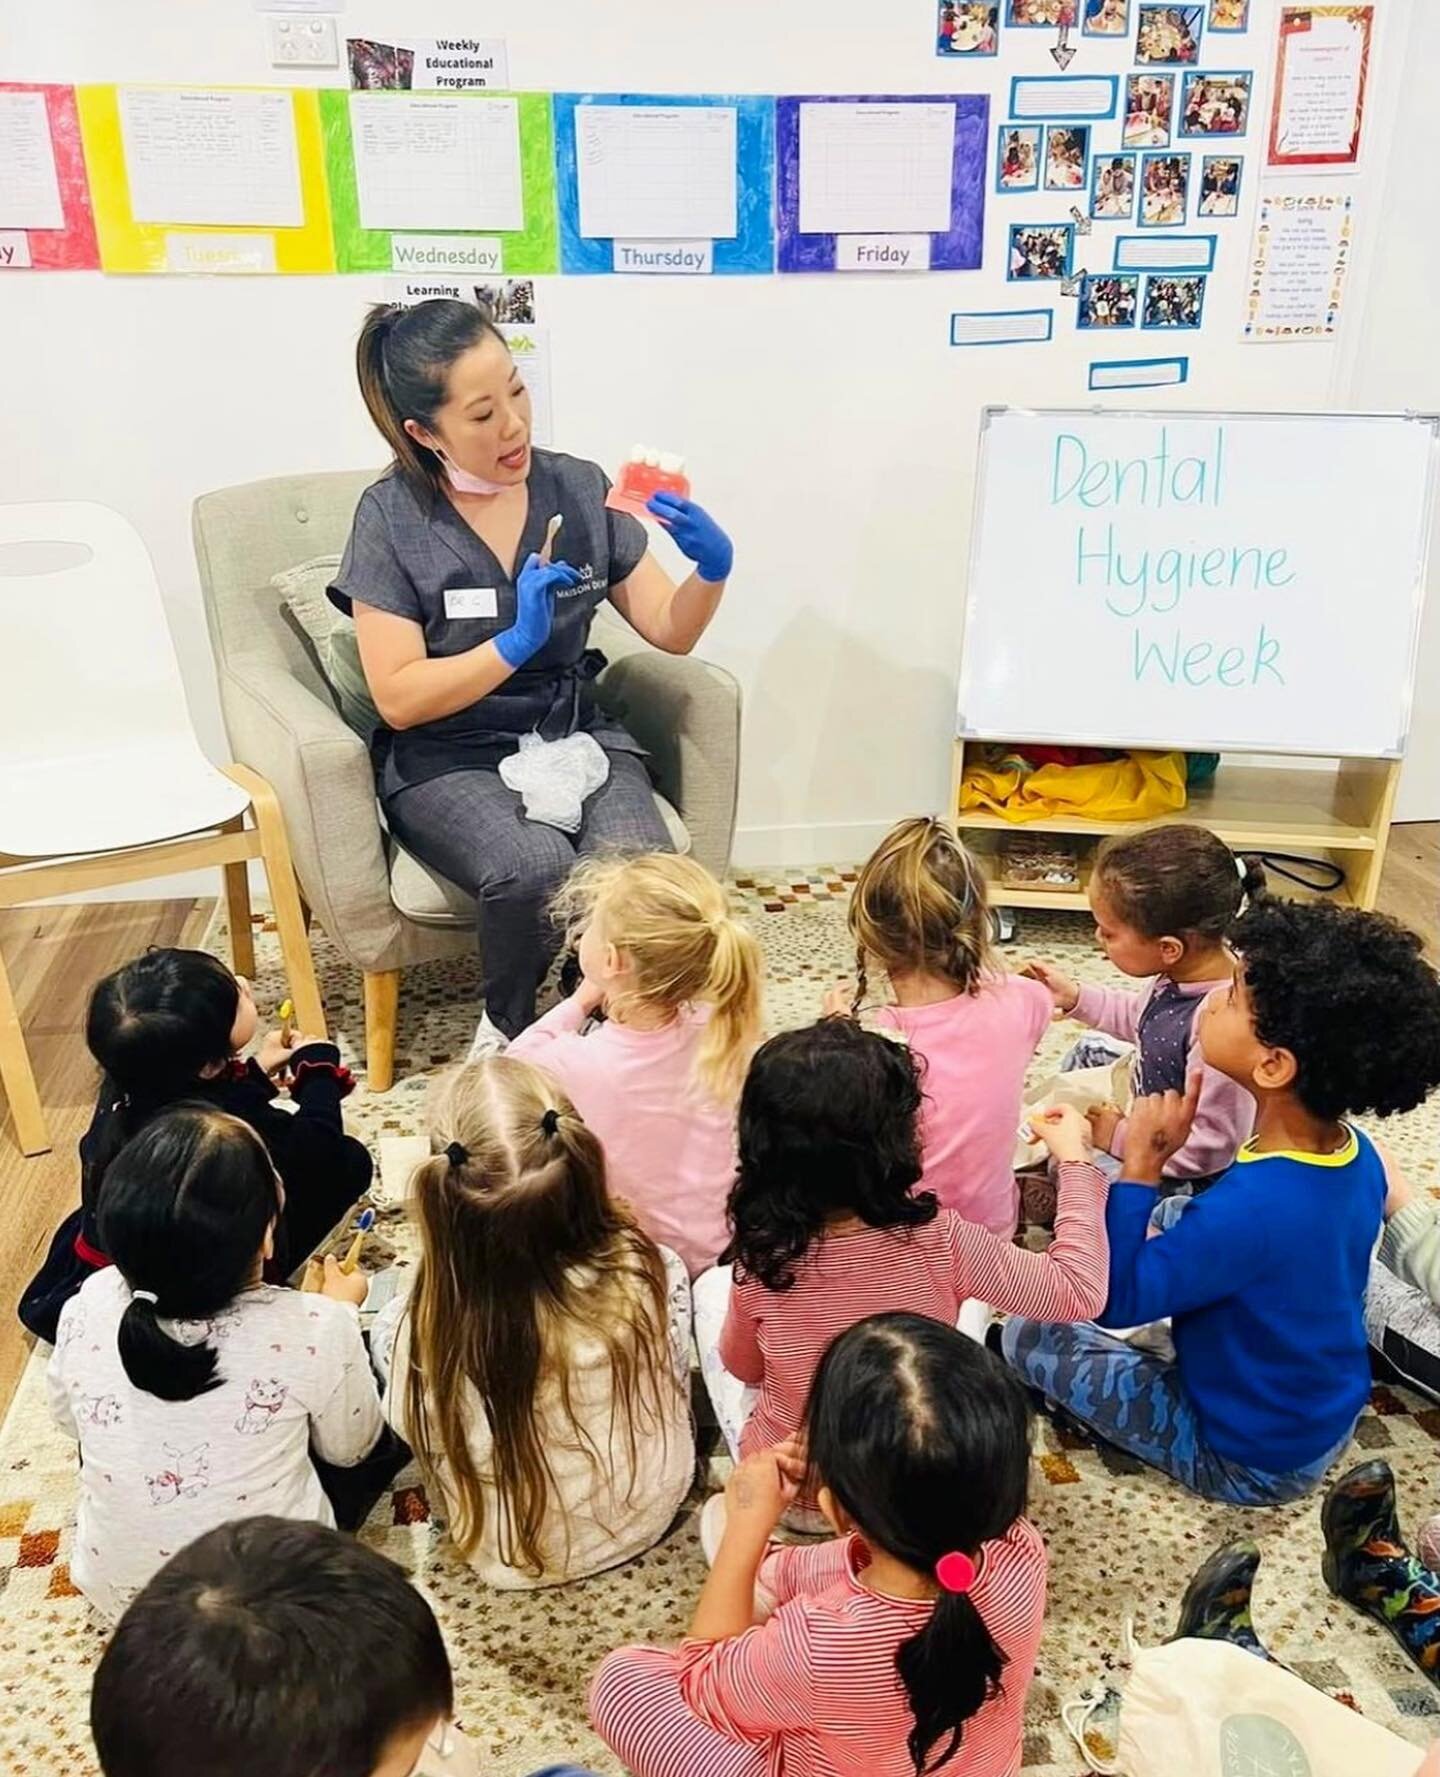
470,640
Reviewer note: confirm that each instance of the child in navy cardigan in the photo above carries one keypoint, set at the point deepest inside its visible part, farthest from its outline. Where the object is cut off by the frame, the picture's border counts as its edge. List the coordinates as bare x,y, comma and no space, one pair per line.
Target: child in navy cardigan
1333,1011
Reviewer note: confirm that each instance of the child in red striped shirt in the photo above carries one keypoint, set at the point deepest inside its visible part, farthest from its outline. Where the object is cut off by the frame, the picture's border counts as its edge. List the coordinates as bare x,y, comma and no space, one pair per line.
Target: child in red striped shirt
905,1646
828,1228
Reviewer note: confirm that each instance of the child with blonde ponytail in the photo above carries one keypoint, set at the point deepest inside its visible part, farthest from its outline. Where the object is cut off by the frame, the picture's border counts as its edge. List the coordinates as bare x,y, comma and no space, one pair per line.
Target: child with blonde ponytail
920,913
678,979
539,1363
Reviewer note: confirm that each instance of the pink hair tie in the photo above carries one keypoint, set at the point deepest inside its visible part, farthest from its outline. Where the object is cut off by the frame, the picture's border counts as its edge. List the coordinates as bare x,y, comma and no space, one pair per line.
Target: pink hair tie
955,1572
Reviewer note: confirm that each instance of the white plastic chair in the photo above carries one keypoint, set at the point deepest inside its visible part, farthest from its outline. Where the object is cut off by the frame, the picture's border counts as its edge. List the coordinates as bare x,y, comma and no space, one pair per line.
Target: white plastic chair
102,780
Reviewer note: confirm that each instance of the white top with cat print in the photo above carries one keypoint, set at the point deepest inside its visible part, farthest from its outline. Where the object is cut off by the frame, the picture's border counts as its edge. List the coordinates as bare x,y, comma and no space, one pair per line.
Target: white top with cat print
156,1474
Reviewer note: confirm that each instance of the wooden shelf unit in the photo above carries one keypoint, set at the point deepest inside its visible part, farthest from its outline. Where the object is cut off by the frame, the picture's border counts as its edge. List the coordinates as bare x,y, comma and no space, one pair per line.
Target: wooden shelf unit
1339,813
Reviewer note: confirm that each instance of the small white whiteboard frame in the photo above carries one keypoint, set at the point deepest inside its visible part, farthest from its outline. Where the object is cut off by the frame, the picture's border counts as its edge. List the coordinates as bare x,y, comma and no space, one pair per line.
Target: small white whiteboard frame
1040,735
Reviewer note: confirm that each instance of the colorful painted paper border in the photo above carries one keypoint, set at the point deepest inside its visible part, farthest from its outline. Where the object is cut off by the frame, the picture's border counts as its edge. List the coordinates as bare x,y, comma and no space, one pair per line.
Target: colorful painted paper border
535,248
73,247
750,249
958,249
1294,20
130,246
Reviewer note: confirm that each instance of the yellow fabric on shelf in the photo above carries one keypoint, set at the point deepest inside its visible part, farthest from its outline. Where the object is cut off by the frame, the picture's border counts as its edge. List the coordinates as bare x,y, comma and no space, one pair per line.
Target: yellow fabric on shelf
1137,787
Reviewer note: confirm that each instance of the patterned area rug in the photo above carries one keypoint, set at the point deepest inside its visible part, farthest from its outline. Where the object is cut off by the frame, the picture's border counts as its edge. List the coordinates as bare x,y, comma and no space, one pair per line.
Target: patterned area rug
1122,1541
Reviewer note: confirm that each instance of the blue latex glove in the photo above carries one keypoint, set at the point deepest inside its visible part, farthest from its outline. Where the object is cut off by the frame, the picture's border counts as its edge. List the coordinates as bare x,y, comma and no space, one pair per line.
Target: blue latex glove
697,533
534,608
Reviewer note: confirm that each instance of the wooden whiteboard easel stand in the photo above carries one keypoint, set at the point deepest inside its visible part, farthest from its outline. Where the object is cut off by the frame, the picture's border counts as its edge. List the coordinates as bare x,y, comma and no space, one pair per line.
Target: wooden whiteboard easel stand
1341,814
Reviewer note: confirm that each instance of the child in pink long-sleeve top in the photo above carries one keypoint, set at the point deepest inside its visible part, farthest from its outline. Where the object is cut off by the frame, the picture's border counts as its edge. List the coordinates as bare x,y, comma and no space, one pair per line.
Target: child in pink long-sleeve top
1164,900
919,911
828,1227
908,1644
678,979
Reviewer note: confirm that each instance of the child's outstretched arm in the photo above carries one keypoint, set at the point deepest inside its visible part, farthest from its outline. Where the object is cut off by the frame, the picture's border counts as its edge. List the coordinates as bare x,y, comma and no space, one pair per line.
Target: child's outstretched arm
1068,1280
1223,1122
550,1039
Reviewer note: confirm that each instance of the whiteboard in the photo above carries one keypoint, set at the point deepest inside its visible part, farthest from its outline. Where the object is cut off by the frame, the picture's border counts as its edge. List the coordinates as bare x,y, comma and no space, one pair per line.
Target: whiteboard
1212,581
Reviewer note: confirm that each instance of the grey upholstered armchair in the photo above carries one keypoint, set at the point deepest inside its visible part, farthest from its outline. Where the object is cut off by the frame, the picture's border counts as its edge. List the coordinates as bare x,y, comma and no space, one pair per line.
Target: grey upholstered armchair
382,907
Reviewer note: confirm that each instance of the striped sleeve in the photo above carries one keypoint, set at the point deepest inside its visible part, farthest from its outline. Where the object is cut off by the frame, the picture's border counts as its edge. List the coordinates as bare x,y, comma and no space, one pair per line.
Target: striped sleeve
739,1345
792,1569
1067,1282
756,1684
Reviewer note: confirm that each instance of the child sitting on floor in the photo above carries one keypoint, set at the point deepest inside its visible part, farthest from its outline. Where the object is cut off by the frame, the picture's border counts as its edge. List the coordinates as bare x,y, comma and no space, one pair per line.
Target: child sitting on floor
272,1646
194,1390
905,1646
168,1026
540,1362
919,912
1164,900
1333,1011
678,979
827,1230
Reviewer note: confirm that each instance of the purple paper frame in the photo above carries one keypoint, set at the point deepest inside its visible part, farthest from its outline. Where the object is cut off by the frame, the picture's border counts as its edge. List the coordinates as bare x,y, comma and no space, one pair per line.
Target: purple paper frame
958,249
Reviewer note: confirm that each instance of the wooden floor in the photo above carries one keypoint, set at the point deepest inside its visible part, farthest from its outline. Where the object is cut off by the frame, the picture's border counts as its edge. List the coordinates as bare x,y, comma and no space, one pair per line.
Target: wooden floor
55,953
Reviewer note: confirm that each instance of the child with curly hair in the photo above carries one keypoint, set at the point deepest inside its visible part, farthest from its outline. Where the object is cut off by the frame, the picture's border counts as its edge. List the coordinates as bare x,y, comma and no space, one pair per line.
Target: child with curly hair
1333,1011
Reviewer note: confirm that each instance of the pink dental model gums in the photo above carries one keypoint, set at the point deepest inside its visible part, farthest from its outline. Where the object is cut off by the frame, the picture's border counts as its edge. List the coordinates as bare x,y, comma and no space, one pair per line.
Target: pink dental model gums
647,472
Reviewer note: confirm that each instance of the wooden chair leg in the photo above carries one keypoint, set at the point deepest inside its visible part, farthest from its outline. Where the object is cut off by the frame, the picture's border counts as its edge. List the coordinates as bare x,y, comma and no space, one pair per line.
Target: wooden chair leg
382,1000
18,1076
284,900
237,907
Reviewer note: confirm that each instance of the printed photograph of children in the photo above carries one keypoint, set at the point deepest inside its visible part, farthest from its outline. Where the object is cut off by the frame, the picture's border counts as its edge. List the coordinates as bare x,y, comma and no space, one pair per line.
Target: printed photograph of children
1067,148
968,30
1164,189
1109,300
1112,188
1173,302
1228,15
1106,18
1039,12
379,67
1214,104
1149,107
1017,166
1040,250
1220,185
1168,34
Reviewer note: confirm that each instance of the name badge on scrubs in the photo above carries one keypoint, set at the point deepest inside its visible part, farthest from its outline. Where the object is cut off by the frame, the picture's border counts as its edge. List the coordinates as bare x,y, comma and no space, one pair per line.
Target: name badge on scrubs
471,601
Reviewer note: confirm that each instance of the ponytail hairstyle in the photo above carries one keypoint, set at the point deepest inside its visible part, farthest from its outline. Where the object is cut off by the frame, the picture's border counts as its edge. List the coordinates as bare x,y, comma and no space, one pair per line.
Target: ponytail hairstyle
922,1437
829,1126
403,359
919,906
154,1026
1176,881
184,1214
512,1204
670,918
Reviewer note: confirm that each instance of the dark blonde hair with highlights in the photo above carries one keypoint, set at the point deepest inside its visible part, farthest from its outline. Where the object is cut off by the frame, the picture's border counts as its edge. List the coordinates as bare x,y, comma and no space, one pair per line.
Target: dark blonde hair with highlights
511,1204
920,907
670,918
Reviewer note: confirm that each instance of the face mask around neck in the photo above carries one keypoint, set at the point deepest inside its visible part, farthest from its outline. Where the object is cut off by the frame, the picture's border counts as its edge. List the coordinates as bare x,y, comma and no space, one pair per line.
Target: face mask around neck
464,482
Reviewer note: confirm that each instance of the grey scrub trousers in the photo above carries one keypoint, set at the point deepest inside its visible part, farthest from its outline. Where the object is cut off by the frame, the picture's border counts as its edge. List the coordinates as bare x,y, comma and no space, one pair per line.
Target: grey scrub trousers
439,783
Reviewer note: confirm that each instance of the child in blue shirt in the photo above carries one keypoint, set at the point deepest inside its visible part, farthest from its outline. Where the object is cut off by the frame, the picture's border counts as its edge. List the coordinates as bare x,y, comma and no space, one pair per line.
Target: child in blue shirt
1332,1011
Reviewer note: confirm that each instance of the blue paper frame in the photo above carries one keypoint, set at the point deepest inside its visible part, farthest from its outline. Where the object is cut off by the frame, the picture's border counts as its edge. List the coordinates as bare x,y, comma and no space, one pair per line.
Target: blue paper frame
1097,164
1165,74
1068,228
1200,7
1013,24
1166,326
1074,192
1149,154
1001,131
1214,30
750,250
1207,241
967,55
1120,36
983,314
1182,360
1059,80
1219,215
1084,326
1191,74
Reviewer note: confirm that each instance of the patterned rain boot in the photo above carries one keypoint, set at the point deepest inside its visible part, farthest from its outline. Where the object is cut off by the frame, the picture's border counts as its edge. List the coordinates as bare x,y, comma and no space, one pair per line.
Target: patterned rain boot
1367,1564
1216,1605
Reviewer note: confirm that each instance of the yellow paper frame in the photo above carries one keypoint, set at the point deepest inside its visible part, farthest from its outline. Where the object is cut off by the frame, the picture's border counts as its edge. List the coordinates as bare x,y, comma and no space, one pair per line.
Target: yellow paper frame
130,246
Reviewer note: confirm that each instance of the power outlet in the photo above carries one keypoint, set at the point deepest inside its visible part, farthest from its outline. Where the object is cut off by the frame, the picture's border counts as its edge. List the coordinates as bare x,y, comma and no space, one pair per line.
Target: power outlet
302,42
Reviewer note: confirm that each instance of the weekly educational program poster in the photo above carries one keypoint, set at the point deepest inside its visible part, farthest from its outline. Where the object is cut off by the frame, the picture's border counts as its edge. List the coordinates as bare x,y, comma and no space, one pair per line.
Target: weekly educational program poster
1322,66
45,219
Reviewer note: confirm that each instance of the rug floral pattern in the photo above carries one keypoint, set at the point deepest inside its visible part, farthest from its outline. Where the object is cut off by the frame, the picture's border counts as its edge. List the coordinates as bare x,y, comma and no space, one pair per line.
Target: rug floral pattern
1122,1541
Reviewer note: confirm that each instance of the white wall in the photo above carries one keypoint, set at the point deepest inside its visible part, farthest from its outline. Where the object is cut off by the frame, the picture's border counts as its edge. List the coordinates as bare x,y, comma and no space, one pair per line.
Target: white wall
828,423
